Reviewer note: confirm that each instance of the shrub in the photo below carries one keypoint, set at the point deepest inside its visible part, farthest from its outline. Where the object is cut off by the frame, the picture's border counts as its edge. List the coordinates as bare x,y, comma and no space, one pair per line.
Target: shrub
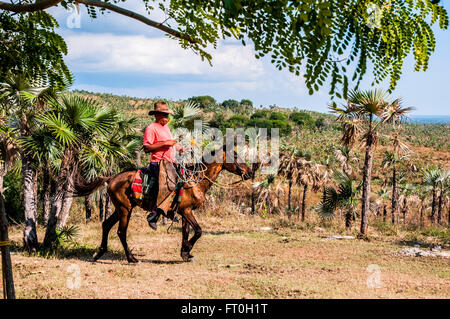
261,114
231,104
237,121
283,126
13,196
246,102
278,116
301,118
204,101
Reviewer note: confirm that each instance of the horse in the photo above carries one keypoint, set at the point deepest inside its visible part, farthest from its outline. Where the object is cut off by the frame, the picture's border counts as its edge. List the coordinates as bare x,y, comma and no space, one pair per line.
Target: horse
193,197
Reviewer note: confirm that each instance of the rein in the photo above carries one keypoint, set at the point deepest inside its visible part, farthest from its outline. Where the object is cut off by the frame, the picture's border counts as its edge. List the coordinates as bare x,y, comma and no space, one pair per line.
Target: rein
229,186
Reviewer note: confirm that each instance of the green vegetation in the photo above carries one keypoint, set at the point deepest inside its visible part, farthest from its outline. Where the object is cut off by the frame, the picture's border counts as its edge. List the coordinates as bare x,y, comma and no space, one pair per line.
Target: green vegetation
329,41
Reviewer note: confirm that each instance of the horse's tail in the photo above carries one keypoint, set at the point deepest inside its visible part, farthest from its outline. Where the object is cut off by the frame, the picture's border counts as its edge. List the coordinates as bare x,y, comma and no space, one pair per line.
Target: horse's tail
83,188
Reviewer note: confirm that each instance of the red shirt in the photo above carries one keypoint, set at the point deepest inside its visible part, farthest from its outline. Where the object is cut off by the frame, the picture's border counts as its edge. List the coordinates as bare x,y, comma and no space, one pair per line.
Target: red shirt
154,133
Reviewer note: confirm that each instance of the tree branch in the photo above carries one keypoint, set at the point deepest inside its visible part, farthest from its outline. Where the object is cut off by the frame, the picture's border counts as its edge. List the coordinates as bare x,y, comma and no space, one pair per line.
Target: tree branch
29,7
134,15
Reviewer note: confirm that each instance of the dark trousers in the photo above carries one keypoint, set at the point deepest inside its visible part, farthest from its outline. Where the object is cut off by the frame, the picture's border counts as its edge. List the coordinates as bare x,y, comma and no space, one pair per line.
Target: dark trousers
153,173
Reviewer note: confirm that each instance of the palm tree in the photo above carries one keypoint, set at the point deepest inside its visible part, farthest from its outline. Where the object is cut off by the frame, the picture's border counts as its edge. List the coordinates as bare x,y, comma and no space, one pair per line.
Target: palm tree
431,178
185,115
72,121
363,116
298,170
406,191
345,158
444,184
265,190
422,192
107,155
342,198
313,175
23,98
391,158
384,197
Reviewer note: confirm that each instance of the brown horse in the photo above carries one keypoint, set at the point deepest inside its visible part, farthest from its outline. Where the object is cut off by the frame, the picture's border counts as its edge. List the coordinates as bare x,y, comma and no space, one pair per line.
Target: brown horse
193,197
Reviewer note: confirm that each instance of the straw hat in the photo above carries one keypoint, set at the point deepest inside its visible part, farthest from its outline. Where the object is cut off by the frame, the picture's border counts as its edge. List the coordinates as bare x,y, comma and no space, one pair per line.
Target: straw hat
160,108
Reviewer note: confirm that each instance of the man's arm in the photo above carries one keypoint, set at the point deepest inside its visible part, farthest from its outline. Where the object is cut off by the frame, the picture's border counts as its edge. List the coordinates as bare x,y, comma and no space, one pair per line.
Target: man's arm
155,146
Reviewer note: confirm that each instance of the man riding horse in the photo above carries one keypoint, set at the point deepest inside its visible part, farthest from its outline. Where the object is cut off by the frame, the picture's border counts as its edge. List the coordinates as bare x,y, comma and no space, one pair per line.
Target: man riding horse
159,142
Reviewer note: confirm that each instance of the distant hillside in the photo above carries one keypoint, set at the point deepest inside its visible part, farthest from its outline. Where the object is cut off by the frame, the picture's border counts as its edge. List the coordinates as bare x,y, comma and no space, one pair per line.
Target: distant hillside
231,113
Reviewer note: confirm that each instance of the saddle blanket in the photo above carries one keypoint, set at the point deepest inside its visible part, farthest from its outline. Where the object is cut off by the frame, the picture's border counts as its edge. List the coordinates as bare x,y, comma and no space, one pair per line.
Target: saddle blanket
136,185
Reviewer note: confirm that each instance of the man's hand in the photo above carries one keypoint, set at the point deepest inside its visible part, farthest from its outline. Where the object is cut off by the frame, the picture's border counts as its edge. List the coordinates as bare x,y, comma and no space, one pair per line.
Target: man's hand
179,148
170,142
156,146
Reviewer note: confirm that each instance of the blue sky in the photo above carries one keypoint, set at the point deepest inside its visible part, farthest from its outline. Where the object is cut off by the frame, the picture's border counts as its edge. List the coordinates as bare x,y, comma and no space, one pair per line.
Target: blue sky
115,54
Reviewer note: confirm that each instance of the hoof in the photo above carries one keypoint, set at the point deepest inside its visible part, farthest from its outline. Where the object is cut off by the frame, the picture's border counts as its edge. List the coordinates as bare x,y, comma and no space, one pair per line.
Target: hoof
187,257
98,254
132,259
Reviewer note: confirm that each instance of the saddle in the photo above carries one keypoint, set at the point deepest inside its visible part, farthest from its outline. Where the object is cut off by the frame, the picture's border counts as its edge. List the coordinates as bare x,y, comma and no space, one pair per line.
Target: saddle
169,189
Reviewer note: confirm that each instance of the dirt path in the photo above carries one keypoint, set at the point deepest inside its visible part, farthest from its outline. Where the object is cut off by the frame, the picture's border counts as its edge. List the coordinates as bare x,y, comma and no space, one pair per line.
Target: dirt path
234,259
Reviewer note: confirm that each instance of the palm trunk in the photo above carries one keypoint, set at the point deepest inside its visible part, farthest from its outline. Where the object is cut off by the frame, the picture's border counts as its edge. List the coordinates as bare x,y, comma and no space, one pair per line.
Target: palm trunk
348,219
367,176
57,201
305,189
29,176
433,205
253,211
101,207
108,206
47,187
88,208
394,193
404,208
7,275
422,208
448,217
289,198
65,209
439,212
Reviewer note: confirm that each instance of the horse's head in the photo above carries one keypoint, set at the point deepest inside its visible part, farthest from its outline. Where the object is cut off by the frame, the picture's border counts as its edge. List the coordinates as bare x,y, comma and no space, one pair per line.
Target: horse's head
235,165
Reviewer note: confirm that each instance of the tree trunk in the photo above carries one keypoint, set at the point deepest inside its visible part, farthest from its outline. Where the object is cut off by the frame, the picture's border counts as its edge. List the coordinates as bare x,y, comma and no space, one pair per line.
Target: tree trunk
289,198
100,207
47,188
448,217
367,176
65,210
348,219
433,205
253,211
305,189
7,274
57,200
384,213
439,212
88,208
404,208
29,176
394,193
422,208
108,206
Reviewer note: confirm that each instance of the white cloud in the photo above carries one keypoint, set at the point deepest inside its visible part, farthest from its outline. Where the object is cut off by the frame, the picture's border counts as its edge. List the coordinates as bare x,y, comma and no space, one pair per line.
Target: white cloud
93,52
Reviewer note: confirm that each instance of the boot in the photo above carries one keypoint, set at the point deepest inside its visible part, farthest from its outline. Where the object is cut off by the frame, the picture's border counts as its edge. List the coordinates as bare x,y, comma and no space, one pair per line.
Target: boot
152,219
171,215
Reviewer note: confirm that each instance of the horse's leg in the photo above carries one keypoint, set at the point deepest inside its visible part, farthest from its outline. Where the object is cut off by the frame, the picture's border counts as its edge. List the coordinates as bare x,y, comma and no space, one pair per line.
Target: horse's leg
185,245
122,232
106,227
189,244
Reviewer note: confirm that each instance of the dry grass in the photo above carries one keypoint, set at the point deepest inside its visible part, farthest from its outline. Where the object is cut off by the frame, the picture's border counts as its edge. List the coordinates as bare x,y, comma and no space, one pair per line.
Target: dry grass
236,259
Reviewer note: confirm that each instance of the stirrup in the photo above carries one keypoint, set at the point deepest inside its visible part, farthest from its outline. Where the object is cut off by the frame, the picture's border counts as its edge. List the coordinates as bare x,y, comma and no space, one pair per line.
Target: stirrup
171,215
